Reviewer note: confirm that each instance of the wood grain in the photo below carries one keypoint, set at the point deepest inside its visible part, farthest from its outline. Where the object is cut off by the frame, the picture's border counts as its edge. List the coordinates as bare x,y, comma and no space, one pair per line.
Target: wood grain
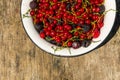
20,59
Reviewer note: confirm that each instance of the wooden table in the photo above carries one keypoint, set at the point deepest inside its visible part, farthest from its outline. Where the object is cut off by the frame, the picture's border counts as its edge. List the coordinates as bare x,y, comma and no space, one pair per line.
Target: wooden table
20,59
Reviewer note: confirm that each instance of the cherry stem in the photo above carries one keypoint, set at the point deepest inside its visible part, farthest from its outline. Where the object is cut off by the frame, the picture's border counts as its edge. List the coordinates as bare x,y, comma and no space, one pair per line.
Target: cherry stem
57,48
26,14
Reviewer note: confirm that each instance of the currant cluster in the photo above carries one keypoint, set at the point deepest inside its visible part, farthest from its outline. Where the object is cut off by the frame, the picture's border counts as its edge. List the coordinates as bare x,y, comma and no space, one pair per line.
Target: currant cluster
68,23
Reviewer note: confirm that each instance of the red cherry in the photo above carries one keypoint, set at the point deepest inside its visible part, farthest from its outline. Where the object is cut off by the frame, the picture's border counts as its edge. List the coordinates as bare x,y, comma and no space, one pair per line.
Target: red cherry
46,4
85,15
78,13
47,33
47,24
70,17
42,35
68,27
65,14
82,36
55,1
58,4
69,44
76,33
51,12
53,33
50,28
81,10
96,2
55,22
60,27
81,22
94,9
54,7
53,25
87,21
58,39
97,9
96,33
64,37
101,1
59,16
66,33
100,25
32,13
77,6
69,36
79,1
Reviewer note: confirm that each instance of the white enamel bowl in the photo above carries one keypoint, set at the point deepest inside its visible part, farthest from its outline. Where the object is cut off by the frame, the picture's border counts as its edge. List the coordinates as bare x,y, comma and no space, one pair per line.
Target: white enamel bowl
44,45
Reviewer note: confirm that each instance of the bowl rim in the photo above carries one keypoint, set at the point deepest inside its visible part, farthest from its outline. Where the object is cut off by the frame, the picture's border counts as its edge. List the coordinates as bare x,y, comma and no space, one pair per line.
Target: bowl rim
102,43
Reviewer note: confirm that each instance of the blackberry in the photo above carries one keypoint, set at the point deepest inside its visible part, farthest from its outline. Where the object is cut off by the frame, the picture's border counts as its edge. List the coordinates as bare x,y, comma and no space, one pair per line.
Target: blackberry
79,24
73,25
102,9
53,42
86,42
33,4
68,7
86,28
39,27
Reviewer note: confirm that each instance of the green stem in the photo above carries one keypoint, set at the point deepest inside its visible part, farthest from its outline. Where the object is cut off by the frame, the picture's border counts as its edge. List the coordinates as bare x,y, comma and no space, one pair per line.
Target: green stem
108,11
26,14
69,50
57,48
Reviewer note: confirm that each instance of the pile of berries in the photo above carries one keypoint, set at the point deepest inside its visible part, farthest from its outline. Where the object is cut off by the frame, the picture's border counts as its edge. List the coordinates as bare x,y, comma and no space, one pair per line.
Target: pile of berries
68,23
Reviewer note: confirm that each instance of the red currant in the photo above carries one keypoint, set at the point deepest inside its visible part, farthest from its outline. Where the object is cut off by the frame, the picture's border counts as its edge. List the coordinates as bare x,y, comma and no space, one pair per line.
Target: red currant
42,35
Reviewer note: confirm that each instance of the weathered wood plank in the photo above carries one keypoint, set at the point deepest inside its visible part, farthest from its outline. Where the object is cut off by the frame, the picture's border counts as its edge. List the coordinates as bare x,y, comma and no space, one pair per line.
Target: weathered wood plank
20,59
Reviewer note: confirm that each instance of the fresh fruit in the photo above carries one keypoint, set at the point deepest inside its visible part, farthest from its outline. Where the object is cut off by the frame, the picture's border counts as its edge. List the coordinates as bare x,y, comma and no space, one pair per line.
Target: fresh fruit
102,9
33,4
96,33
68,23
76,45
69,44
86,42
42,35
86,28
39,27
